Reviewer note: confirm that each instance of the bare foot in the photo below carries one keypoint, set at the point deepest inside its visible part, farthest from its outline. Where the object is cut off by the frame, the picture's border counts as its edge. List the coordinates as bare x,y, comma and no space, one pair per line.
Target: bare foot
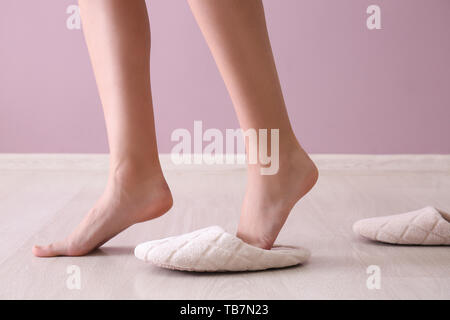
270,198
128,199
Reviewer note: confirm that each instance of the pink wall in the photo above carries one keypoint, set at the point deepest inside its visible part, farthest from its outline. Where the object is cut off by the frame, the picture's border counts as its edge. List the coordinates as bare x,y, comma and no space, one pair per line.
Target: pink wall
348,89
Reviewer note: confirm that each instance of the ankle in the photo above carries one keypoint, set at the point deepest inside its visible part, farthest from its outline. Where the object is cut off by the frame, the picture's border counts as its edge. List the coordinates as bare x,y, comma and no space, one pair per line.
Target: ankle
144,186
291,159
297,158
126,172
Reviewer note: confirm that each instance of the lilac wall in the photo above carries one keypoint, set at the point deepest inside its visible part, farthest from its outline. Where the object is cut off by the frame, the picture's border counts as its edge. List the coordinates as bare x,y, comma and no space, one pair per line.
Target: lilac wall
348,89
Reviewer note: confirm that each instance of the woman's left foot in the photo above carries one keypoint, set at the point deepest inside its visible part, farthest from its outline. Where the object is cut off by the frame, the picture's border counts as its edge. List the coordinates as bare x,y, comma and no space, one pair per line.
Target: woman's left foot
127,200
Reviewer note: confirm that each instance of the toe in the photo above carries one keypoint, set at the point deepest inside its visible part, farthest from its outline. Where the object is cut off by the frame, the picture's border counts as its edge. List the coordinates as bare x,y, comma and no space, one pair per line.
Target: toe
52,250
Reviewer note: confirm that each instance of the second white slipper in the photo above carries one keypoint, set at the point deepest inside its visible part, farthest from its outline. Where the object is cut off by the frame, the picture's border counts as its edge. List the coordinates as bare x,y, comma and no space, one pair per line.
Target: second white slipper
212,250
426,226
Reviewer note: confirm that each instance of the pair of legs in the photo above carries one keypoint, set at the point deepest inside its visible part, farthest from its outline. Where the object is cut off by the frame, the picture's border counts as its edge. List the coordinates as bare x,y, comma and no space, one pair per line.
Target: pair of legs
118,38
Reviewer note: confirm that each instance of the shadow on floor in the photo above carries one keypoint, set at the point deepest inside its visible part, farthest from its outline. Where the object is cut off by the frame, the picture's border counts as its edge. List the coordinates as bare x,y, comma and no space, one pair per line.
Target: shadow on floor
180,273
113,251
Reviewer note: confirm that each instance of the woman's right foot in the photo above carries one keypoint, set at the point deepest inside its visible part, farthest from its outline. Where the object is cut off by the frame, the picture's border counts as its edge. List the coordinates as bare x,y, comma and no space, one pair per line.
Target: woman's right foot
128,199
270,198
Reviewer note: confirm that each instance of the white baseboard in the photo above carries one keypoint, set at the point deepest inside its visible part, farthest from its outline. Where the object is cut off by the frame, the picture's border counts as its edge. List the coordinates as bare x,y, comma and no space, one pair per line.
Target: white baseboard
325,162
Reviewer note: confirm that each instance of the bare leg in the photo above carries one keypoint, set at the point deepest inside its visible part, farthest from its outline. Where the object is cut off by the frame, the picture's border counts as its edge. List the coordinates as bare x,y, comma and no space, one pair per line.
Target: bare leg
236,33
118,37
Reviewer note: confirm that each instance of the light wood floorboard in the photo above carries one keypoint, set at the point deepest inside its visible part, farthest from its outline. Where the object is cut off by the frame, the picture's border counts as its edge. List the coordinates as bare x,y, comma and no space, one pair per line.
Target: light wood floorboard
42,197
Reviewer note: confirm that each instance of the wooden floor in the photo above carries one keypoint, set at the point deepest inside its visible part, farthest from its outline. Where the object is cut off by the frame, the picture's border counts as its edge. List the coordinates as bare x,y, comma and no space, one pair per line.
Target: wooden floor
42,197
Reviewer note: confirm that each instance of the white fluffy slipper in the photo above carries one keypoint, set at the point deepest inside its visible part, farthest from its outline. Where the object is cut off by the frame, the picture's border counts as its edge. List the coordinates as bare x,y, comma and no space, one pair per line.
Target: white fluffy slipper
426,226
212,249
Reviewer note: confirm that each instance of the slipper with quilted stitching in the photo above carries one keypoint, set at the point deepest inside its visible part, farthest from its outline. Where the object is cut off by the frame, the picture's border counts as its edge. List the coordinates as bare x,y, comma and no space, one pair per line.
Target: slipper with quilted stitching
214,250
426,226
